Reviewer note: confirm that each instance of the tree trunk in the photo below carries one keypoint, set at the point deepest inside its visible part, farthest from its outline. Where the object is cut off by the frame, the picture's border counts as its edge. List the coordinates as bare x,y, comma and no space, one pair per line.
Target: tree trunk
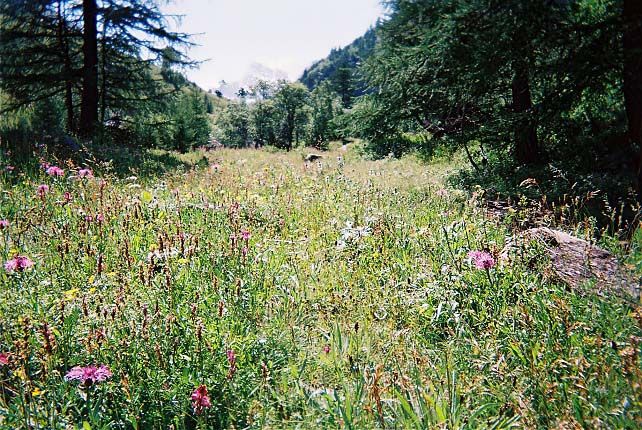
89,101
526,145
68,71
632,41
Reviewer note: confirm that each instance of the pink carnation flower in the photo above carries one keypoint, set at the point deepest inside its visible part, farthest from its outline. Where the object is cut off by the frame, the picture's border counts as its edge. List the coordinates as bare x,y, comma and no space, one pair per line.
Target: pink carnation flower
89,374
18,264
200,399
482,259
55,171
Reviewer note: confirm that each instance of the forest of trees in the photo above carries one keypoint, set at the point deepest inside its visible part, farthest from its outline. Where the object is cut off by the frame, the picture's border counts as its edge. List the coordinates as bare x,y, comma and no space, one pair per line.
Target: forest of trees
96,70
281,114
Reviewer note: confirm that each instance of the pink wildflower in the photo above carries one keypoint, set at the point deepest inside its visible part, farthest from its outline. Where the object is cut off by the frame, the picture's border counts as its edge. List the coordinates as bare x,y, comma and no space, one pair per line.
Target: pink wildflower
18,264
43,189
326,349
245,234
45,165
4,359
200,399
55,171
231,359
89,218
244,251
89,374
482,259
214,167
4,224
10,168
100,218
67,196
85,173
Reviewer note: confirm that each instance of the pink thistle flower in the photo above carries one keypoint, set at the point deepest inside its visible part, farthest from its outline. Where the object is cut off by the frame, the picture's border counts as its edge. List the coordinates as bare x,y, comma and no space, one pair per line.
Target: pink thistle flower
4,359
85,173
482,259
18,264
4,224
43,189
200,399
89,374
55,171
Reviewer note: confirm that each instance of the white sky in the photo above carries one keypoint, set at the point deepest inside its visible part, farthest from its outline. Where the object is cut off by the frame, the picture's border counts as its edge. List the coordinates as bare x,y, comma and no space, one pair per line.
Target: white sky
282,34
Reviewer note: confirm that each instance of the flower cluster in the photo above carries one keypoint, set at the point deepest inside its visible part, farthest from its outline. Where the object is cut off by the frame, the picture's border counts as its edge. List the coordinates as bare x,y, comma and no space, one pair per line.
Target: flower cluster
18,264
200,399
482,259
89,374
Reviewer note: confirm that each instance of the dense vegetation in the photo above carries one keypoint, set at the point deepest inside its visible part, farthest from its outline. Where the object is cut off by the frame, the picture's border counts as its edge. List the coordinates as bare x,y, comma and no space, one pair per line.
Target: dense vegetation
147,285
253,292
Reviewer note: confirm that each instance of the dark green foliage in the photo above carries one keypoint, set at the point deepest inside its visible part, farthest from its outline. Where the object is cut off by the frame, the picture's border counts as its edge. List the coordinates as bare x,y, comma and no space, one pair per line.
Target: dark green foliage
125,90
341,68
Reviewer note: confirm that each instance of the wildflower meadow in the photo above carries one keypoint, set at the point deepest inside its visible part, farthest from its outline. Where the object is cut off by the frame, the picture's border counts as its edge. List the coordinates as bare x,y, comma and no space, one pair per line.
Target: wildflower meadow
250,289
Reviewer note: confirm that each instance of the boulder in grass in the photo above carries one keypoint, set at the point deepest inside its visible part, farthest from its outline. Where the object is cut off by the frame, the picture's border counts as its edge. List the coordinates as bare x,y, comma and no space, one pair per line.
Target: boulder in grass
312,157
577,262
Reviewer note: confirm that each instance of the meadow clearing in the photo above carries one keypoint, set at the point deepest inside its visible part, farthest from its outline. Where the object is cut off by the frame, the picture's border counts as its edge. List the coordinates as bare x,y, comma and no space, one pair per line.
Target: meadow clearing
246,289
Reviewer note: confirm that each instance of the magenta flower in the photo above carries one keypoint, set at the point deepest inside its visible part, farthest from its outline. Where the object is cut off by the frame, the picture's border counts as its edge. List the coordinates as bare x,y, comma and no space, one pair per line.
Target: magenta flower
55,171
89,374
43,189
245,234
85,173
18,264
200,399
4,224
100,218
45,165
326,349
67,196
482,259
231,359
4,359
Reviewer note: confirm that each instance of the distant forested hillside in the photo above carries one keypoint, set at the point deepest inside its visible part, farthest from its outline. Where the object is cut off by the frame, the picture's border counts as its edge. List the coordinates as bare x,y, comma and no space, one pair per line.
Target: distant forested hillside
340,68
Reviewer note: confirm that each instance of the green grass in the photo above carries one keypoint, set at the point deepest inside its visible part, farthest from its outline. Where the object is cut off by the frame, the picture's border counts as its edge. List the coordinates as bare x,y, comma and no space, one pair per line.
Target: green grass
354,307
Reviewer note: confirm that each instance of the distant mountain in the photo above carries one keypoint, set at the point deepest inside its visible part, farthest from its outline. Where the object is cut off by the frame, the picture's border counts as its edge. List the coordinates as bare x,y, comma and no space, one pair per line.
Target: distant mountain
341,65
256,72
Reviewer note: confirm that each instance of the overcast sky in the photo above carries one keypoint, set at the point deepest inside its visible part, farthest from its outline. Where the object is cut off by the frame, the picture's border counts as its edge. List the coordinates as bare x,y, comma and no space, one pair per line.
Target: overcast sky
282,34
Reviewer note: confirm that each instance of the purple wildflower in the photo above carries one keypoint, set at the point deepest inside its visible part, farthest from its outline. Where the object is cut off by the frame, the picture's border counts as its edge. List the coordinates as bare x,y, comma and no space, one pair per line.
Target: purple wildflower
18,264
200,399
55,171
43,189
85,173
482,259
89,374
4,224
